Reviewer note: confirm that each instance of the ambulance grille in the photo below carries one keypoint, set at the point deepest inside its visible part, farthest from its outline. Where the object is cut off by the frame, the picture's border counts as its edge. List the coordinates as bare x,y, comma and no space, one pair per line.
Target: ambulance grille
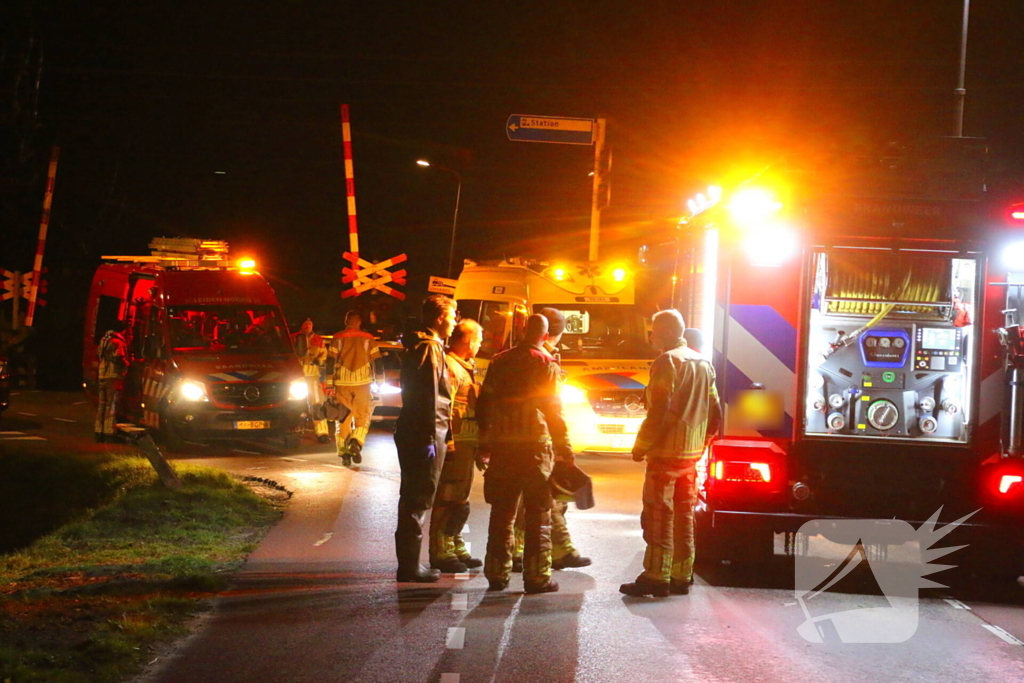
248,394
617,402
611,428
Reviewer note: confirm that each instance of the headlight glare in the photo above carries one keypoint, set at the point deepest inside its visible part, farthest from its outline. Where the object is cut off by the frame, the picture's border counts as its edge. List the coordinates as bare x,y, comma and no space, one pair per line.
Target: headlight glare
298,390
190,390
385,389
573,394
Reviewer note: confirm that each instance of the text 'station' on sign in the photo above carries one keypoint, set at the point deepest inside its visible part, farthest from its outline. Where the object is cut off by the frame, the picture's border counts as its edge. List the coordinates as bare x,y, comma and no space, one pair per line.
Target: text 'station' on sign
554,129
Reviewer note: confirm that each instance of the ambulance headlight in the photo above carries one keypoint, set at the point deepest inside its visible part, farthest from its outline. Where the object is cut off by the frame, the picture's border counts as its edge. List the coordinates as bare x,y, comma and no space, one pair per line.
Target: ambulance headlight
385,389
573,394
191,390
1013,256
298,390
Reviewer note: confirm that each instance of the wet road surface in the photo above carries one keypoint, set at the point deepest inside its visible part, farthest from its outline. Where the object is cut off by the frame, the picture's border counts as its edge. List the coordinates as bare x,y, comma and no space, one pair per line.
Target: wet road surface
317,601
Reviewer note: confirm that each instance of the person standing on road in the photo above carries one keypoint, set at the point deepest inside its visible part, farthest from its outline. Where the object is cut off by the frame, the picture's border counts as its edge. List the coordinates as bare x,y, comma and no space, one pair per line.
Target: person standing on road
312,353
352,362
683,414
448,551
523,432
563,553
421,432
113,357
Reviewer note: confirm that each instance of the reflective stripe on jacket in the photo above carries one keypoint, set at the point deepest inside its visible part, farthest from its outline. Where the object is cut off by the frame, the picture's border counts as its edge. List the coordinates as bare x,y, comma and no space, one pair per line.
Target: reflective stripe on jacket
682,406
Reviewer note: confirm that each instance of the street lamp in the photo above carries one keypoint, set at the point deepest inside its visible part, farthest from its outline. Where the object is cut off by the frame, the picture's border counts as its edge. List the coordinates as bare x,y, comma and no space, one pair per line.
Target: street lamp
458,194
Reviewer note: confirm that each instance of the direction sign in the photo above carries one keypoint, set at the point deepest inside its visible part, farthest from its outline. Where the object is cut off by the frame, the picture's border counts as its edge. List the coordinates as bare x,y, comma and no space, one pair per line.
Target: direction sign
557,129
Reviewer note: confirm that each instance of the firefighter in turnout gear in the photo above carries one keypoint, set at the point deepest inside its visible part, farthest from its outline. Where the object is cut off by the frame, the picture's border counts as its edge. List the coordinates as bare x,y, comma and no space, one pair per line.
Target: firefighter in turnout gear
683,414
312,353
563,553
421,433
523,431
113,357
448,551
352,363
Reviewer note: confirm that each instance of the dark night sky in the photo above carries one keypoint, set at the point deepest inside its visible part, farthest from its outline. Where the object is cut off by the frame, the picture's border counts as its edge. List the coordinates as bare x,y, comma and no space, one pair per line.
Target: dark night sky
148,99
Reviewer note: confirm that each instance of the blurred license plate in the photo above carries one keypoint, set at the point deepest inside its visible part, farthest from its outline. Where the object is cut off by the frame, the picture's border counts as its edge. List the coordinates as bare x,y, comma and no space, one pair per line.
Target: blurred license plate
623,441
252,424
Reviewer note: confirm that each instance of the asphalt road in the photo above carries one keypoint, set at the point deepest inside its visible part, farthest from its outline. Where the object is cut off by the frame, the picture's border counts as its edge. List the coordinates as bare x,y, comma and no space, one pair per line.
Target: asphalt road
317,601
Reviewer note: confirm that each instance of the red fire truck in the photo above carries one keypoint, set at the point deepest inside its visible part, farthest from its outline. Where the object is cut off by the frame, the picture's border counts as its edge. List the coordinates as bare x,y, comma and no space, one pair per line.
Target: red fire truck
866,334
209,350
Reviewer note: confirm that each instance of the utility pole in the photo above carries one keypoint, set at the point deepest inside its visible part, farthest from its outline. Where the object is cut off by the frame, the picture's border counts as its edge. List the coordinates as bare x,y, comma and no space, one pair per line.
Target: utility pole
595,198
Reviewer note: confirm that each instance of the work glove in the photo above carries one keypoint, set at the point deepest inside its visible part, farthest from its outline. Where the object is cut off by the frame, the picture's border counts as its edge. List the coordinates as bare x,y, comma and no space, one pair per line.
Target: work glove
638,456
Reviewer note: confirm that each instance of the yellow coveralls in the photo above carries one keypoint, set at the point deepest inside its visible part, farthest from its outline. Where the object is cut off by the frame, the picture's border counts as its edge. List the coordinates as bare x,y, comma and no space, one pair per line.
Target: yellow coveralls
451,502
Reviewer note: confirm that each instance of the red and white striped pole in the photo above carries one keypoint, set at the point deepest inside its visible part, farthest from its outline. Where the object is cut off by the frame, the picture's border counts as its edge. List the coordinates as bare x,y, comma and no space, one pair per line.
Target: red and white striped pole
350,190
44,224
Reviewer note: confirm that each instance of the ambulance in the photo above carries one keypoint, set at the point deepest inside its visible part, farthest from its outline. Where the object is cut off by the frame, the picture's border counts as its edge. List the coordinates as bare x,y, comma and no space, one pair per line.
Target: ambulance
868,337
604,351
209,351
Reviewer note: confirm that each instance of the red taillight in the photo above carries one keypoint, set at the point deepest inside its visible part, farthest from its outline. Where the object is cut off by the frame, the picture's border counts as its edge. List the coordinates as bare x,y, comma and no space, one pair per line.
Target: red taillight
753,472
1010,484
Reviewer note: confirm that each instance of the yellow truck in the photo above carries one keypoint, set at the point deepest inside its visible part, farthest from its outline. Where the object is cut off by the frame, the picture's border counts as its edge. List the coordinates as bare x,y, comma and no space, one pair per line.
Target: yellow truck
604,350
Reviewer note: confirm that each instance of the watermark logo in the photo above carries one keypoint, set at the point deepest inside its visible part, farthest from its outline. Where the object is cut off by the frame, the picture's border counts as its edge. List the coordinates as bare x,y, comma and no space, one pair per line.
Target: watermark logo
865,543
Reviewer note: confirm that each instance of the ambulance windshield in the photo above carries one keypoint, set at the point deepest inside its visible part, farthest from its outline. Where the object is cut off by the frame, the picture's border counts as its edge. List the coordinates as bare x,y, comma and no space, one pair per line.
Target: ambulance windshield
601,331
238,329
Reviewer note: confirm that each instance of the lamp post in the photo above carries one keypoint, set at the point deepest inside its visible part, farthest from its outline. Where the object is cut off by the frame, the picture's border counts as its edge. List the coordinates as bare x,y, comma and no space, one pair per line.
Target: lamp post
961,91
455,219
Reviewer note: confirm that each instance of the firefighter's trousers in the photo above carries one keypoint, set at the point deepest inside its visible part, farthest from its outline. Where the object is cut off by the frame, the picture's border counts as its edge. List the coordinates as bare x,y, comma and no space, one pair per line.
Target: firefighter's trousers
316,395
532,490
421,468
667,519
359,400
451,504
561,542
108,395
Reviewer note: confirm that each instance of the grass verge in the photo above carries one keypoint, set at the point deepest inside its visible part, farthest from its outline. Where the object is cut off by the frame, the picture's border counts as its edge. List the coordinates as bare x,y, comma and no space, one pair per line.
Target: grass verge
90,600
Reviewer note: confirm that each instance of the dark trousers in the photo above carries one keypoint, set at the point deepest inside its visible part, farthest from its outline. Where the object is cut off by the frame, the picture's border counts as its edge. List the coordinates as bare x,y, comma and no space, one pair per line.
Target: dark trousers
505,493
421,469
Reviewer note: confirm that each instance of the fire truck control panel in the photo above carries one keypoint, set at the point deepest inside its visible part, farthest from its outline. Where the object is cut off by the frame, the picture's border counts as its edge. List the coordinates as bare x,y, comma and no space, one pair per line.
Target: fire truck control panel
890,359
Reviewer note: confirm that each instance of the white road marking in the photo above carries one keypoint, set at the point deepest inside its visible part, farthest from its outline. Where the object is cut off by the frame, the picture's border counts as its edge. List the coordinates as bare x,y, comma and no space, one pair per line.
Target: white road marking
506,637
24,438
956,604
29,414
456,639
196,443
292,459
255,468
451,678
9,433
79,403
462,576
239,450
998,632
460,601
465,528
337,467
469,547
63,419
323,539
15,393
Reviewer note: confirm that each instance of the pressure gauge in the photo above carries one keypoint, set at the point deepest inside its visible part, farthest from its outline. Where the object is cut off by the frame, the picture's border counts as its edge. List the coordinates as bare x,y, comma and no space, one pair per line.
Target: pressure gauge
884,342
883,415
871,342
899,343
836,400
